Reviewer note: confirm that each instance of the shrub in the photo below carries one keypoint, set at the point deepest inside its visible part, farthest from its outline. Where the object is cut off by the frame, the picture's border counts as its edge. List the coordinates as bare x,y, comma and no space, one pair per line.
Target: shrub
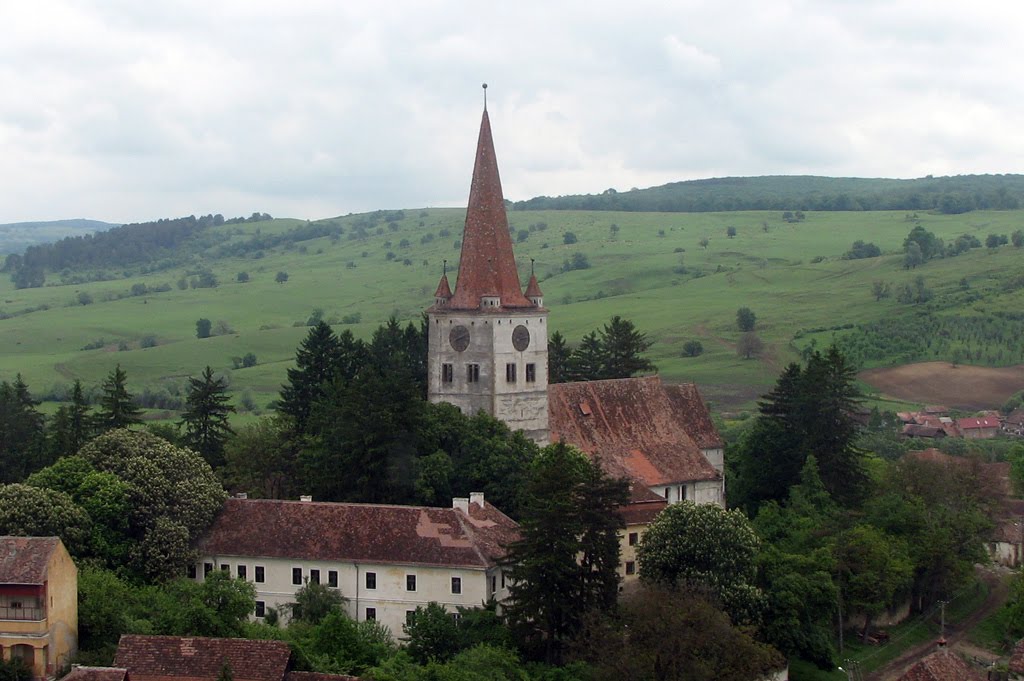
692,348
569,238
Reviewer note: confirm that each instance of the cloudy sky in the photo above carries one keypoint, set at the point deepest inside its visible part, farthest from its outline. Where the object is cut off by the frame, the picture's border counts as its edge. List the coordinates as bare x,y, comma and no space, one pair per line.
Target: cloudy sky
124,110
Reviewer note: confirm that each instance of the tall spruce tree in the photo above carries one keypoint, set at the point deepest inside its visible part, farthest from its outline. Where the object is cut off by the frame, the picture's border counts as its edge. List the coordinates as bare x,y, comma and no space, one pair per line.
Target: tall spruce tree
71,425
206,417
316,365
811,411
117,406
563,565
623,349
588,361
558,358
21,432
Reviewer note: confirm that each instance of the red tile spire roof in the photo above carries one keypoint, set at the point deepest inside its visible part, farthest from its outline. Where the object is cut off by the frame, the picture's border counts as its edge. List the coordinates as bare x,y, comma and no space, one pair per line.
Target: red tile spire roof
487,266
443,289
533,288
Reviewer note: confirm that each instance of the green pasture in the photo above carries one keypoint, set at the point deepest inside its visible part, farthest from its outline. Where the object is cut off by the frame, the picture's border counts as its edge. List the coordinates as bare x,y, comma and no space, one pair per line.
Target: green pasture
652,270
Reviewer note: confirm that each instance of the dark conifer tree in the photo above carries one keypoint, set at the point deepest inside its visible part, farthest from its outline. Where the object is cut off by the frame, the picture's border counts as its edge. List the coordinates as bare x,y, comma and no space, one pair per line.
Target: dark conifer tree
568,512
21,432
206,417
623,349
588,361
71,425
316,365
117,406
558,358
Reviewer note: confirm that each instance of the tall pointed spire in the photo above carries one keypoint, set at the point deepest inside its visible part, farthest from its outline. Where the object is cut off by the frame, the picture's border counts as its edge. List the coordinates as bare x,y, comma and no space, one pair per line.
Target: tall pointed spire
487,266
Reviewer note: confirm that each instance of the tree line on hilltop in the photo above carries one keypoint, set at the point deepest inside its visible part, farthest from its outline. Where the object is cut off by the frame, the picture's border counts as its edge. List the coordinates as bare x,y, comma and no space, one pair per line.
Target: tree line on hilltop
950,195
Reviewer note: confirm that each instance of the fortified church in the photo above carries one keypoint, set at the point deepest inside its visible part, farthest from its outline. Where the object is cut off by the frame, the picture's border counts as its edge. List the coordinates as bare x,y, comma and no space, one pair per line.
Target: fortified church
488,350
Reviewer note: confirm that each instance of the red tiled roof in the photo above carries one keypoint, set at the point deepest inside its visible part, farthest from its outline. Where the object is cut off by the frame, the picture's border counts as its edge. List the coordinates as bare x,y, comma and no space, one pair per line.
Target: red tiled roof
942,665
163,658
973,423
916,430
80,673
367,532
443,289
23,560
637,427
533,288
690,407
487,266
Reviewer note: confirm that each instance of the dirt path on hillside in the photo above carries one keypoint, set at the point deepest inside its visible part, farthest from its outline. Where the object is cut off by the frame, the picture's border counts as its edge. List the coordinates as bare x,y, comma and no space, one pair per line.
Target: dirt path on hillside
955,633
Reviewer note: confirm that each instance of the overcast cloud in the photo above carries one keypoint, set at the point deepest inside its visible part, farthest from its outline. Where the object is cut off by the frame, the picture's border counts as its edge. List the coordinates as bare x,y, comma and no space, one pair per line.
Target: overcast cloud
122,110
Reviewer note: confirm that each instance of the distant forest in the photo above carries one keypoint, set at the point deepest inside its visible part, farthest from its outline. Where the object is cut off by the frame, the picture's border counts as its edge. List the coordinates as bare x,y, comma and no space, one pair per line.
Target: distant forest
116,247
951,195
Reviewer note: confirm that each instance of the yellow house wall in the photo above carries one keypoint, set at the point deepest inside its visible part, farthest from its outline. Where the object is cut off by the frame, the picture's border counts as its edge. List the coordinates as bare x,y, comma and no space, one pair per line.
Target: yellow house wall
62,608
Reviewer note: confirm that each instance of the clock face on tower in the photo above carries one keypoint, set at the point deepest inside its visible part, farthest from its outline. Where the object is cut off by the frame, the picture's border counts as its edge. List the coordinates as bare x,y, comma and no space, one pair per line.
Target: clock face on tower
521,338
459,338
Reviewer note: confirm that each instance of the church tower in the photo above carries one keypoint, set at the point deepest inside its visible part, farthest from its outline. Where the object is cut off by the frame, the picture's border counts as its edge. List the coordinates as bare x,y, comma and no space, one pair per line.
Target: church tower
488,341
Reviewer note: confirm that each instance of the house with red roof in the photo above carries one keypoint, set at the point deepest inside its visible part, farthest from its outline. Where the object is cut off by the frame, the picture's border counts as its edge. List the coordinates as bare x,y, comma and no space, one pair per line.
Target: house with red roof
38,603
386,560
978,428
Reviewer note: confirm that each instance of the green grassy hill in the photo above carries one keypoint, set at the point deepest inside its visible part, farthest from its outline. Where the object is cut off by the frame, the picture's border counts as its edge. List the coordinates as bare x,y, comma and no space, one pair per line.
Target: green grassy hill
651,270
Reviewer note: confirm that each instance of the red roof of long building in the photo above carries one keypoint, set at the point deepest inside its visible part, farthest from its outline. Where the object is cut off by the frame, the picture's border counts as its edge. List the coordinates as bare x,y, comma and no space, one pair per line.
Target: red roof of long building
942,665
307,530
487,266
167,658
637,427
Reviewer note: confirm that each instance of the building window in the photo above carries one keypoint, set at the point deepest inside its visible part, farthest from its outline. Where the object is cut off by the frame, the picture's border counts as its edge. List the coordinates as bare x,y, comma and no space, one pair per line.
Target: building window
456,616
314,576
296,575
207,569
242,572
447,373
531,373
371,580
456,585
503,580
371,614
410,582
668,491
193,571
510,372
494,583
473,373
224,567
332,579
409,614
634,537
259,574
630,567
261,608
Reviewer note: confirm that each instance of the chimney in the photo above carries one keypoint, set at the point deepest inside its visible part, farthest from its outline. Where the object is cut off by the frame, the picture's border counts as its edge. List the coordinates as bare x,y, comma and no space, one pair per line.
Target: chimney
477,498
306,497
461,503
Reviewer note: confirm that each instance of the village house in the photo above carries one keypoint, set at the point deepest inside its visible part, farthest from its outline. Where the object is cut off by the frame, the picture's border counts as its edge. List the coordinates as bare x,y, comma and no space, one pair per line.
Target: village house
1013,424
386,560
978,428
38,603
488,352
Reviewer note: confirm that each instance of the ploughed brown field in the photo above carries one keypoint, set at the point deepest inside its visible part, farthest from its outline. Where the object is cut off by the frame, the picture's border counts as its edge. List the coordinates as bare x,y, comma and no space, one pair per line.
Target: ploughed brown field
958,387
